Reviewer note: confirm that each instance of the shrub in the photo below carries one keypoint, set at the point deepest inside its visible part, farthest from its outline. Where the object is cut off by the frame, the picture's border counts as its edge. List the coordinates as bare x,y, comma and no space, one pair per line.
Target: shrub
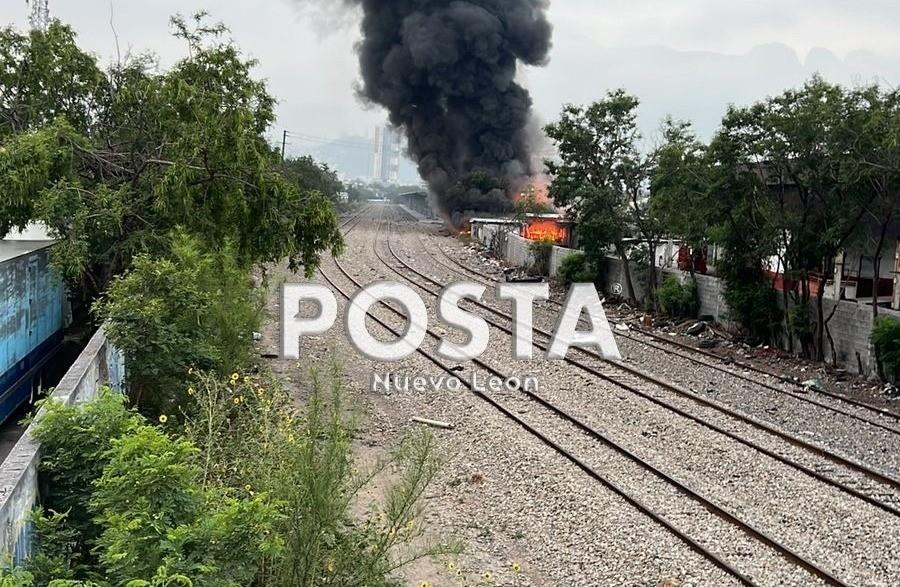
677,299
886,340
576,268
196,309
75,441
255,491
540,251
251,435
751,300
147,515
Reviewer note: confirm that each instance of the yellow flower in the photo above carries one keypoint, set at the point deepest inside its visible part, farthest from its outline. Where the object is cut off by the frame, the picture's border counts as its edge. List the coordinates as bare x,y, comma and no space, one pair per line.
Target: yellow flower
424,584
517,568
163,419
234,377
487,575
237,400
190,391
451,566
247,487
247,379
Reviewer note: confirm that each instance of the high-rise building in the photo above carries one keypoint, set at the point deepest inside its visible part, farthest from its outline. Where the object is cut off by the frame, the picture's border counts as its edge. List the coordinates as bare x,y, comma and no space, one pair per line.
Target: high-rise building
388,148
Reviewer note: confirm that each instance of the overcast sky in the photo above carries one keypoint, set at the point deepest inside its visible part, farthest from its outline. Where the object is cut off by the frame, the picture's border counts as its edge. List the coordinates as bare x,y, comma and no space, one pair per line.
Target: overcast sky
689,58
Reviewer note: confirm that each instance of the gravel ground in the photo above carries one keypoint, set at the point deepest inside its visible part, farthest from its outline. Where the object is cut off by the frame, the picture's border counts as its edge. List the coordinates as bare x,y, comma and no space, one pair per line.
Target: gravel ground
837,432
515,501
507,494
858,542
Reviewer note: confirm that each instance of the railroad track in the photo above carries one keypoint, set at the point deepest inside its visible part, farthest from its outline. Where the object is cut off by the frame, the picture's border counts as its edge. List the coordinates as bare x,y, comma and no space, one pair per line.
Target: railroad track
617,489
719,511
886,420
880,491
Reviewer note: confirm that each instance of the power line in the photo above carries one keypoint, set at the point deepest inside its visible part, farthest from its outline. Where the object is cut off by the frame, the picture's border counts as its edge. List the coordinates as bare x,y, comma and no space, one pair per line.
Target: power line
348,143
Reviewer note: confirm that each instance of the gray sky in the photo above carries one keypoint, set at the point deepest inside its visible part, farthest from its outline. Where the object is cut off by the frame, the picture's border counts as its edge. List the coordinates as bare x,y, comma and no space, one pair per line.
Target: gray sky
689,58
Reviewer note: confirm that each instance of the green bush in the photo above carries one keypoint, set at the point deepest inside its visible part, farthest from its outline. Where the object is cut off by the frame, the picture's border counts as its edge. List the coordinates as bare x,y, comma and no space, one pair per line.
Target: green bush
252,490
541,250
752,301
886,340
75,442
196,309
252,435
680,300
140,511
576,268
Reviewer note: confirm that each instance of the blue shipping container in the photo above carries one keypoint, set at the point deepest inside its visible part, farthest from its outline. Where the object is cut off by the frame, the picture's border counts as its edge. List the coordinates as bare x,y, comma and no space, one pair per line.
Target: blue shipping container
32,316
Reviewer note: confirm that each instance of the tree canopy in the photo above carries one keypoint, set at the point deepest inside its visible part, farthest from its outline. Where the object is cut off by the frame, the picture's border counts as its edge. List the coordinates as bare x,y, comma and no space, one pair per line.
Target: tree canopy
114,162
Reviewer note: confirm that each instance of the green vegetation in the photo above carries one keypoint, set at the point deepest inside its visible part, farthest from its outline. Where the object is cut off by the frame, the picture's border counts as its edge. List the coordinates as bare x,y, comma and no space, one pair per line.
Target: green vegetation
251,491
194,309
602,176
540,252
308,174
886,340
166,196
113,162
576,268
792,179
677,299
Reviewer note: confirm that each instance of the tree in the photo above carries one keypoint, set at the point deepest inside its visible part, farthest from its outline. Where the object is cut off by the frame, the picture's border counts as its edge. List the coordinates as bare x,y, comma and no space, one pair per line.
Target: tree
680,194
871,131
114,163
309,175
603,177
45,76
793,148
529,203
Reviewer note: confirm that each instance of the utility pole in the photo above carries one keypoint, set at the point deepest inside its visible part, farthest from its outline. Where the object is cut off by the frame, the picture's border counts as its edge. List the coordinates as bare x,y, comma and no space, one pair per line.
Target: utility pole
283,144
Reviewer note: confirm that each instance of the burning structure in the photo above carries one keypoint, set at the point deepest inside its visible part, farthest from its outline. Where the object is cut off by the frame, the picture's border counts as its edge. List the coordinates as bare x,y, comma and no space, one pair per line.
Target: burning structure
446,72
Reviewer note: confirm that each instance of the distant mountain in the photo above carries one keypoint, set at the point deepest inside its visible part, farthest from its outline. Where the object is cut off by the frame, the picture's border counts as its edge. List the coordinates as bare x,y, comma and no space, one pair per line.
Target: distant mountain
692,85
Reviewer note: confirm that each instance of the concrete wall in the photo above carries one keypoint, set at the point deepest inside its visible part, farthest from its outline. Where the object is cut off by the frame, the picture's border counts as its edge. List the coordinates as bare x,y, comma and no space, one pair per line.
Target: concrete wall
515,249
99,364
850,327
556,257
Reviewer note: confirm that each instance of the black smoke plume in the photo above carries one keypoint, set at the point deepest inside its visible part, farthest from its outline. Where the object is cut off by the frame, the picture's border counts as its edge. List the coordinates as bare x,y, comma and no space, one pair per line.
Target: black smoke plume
445,70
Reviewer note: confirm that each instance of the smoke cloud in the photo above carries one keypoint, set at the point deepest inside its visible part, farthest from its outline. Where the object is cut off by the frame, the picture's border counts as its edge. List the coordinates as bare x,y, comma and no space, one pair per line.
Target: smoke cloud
445,70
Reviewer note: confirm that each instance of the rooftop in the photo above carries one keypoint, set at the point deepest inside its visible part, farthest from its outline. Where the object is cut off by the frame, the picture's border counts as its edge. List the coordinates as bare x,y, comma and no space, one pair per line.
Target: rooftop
10,249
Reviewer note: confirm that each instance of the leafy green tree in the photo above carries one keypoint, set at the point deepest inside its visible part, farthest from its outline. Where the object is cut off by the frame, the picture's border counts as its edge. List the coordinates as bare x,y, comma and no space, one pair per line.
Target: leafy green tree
113,165
309,175
680,195
194,309
602,177
792,150
872,125
45,76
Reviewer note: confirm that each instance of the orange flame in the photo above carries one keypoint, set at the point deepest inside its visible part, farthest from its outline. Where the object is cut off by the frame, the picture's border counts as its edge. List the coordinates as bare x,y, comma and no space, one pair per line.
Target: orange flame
545,229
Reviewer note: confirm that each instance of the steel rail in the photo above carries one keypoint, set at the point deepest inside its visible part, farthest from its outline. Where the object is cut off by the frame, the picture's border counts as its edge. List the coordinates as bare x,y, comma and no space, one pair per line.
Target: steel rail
740,364
709,505
819,451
